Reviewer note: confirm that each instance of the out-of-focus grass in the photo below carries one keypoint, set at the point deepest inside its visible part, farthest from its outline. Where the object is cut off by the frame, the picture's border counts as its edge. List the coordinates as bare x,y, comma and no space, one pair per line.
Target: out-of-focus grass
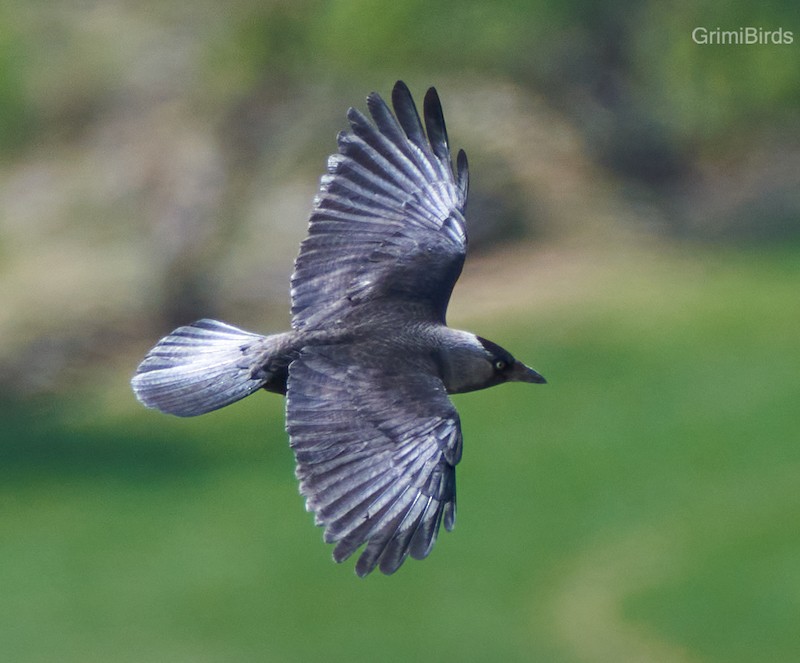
642,506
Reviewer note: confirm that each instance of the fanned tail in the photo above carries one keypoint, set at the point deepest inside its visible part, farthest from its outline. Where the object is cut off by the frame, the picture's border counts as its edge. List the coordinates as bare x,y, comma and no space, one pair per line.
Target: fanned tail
202,367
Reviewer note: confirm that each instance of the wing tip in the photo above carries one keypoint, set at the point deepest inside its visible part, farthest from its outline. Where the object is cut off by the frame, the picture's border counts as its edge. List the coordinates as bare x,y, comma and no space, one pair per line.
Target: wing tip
400,92
435,126
462,173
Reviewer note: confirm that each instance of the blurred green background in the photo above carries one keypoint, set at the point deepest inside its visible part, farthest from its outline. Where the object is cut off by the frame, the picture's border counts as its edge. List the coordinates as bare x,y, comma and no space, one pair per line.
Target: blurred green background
635,227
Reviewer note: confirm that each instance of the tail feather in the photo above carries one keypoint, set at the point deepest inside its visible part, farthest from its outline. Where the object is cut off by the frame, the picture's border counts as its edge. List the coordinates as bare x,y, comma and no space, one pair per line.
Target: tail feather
201,367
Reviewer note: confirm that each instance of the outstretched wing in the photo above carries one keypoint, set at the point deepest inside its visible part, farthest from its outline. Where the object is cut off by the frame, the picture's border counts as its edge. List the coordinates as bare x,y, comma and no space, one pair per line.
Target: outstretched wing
376,455
388,221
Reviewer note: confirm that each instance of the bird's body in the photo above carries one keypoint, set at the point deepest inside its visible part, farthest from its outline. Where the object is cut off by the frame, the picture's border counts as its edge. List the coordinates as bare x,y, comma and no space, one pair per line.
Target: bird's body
369,362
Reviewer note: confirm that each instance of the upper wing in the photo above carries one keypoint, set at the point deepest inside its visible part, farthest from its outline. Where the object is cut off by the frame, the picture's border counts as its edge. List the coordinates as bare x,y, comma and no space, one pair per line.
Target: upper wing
389,217
376,455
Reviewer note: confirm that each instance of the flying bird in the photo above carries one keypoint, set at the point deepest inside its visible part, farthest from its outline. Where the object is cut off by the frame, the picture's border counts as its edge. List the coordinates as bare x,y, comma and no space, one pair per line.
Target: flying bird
369,362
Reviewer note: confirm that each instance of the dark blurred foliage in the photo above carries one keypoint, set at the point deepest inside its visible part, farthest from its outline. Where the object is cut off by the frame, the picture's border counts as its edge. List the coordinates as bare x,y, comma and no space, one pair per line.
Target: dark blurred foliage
654,108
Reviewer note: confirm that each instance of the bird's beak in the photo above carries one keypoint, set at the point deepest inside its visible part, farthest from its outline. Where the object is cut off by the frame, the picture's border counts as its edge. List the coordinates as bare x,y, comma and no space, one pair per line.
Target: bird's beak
521,373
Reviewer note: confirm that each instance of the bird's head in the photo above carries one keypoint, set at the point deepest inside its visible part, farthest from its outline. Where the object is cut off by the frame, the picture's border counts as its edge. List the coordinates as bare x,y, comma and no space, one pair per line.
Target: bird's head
505,368
474,363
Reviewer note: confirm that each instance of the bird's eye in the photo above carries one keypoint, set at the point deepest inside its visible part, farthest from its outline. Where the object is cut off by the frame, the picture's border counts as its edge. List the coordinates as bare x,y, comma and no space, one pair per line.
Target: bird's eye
500,365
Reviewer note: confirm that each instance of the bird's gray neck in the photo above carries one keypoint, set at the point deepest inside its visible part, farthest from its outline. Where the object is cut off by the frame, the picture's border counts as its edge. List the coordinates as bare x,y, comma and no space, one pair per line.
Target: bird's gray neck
463,361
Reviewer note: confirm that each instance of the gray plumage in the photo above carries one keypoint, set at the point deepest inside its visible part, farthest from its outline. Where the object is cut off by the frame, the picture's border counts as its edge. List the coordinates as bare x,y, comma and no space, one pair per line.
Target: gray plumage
369,362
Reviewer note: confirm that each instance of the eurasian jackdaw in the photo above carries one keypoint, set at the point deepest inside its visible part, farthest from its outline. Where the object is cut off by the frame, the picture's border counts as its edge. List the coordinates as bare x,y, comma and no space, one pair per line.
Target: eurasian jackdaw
369,362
